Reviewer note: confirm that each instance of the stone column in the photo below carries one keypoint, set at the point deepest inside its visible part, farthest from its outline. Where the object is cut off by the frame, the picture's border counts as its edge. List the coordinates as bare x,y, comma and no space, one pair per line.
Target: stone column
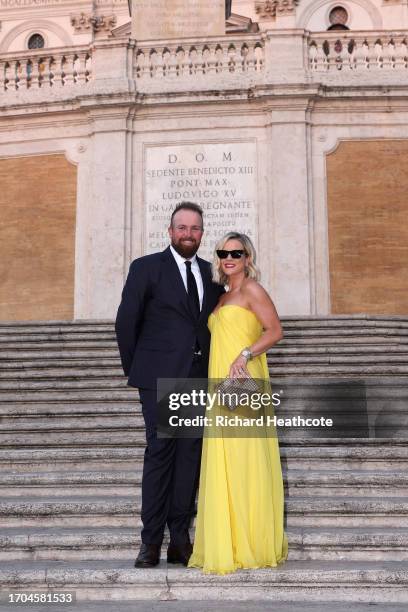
103,227
112,66
292,222
285,56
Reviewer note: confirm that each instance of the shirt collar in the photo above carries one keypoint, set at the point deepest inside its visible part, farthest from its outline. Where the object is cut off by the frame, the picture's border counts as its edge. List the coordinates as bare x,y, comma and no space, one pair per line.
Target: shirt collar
179,259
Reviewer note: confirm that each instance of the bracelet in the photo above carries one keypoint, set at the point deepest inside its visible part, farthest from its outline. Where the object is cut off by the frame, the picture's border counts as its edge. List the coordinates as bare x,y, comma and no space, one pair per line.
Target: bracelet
246,353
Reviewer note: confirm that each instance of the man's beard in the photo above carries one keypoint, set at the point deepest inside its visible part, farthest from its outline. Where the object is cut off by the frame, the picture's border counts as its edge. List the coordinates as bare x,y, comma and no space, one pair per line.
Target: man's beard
186,249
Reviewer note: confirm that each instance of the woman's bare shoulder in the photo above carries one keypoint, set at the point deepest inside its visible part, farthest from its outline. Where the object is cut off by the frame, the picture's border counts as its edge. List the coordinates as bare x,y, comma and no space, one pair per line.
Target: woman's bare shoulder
253,289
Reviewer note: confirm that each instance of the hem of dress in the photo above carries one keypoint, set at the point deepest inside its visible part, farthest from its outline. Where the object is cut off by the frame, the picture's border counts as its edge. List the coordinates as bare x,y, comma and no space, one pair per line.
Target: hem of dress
238,567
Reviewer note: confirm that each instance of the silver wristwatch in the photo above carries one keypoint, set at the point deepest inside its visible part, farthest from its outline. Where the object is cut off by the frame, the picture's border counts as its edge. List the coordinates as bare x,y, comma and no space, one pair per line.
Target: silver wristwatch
246,353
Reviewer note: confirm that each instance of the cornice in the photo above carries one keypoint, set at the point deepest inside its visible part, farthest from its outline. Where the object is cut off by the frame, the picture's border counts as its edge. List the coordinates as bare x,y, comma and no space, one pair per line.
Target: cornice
298,95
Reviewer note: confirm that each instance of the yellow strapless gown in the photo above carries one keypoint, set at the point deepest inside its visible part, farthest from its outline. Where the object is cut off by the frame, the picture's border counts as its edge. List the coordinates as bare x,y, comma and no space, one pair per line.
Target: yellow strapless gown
241,500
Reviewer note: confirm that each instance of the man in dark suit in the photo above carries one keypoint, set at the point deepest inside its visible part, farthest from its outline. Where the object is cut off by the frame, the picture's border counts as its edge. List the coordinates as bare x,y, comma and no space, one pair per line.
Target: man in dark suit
161,328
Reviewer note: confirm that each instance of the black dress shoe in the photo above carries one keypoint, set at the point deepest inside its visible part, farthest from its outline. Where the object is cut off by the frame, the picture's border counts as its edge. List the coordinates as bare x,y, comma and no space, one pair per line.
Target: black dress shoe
179,553
149,555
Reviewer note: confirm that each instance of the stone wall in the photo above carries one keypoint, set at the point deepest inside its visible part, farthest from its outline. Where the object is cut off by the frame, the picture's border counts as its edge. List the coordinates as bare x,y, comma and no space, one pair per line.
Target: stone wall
276,101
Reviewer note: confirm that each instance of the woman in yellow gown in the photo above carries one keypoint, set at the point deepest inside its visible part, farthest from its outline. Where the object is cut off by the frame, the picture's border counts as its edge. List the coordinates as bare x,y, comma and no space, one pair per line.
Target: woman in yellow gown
241,502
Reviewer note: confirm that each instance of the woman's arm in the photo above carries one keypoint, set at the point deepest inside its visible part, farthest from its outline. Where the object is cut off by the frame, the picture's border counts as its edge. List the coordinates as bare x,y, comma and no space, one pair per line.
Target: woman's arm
258,301
261,304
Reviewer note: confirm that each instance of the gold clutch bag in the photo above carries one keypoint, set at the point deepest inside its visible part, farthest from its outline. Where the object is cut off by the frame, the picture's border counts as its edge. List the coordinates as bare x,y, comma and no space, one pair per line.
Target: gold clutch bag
234,392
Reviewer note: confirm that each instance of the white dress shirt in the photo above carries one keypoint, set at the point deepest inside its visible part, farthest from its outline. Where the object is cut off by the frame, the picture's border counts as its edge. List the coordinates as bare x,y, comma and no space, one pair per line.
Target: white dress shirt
195,268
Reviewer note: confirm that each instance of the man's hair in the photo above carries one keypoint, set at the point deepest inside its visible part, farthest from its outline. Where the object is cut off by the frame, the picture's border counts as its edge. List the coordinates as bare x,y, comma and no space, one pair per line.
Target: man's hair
187,206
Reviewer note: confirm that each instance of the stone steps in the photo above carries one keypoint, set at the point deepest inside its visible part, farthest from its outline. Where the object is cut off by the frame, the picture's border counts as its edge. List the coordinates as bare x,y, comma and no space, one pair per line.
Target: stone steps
222,605
301,326
291,322
71,425
79,335
20,410
326,397
298,482
53,435
115,380
108,347
84,396
350,454
124,511
67,544
23,371
91,438
322,336
128,430
121,437
346,581
105,357
71,452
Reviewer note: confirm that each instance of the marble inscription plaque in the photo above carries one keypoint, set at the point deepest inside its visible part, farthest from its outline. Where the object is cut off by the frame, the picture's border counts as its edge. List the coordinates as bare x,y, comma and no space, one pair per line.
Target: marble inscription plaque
220,177
162,19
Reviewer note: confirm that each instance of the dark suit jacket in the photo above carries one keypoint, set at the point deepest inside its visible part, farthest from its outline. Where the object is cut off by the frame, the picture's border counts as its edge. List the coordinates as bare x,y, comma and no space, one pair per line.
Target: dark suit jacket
155,329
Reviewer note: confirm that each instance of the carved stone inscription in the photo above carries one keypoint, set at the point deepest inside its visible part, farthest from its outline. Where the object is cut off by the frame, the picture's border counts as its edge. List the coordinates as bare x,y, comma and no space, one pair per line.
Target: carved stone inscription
219,177
156,19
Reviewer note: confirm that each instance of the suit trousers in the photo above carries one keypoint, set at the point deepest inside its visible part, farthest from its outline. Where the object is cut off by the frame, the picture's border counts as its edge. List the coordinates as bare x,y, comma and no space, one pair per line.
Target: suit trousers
171,471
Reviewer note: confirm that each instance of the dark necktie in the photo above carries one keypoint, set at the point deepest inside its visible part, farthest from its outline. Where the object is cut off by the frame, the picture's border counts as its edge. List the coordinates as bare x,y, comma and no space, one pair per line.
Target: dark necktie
193,299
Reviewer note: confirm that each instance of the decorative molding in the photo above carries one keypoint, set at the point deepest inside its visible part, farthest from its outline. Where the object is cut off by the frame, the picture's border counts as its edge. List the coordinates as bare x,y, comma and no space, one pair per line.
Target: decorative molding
85,22
103,23
286,7
265,9
268,9
82,22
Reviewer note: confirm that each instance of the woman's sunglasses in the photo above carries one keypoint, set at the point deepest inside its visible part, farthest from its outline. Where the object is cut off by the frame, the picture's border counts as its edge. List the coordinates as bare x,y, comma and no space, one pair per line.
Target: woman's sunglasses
235,253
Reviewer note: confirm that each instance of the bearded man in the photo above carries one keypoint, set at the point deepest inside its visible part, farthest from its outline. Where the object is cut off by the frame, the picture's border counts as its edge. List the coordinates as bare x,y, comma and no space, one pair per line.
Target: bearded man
162,332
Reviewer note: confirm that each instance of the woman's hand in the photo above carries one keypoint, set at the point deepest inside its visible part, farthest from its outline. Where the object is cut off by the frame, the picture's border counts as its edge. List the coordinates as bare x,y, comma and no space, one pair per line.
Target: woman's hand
238,368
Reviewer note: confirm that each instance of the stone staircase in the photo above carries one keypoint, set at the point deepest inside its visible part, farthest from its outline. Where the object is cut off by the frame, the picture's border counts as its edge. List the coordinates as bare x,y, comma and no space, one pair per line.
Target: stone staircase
71,452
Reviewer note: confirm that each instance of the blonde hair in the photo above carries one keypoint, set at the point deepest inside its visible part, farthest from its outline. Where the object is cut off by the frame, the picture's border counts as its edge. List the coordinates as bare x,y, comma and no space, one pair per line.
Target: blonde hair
251,270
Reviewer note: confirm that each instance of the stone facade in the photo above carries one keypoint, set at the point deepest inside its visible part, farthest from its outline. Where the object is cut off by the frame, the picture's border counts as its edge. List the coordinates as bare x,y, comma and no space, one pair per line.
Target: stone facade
282,95
61,23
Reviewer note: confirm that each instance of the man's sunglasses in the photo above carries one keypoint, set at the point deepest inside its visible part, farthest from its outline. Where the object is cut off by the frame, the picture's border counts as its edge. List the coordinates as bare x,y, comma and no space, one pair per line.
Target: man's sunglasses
235,253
